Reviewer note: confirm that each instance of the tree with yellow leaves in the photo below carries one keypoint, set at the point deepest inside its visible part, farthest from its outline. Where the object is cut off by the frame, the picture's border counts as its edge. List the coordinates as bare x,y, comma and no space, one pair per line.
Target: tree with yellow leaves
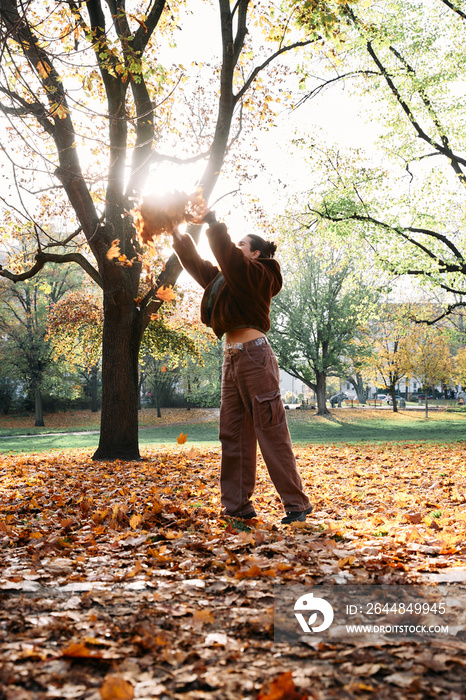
428,356
388,334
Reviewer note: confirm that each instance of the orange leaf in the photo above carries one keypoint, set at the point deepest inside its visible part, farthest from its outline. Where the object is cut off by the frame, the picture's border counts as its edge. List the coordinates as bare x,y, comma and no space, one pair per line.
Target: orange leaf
181,439
165,293
114,250
250,573
80,650
137,569
43,69
281,688
202,617
135,520
116,688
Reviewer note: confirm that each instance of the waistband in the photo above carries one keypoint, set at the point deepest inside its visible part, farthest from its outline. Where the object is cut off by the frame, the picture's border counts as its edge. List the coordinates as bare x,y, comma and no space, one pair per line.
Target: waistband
235,348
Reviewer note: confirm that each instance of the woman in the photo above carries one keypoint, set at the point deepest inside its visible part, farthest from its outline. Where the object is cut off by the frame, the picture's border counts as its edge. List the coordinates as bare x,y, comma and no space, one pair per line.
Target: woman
236,303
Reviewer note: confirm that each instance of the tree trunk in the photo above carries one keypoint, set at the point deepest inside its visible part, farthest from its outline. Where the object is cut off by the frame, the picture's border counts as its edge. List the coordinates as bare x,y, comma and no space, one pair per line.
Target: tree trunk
120,386
38,409
94,401
358,386
142,378
321,389
157,399
393,393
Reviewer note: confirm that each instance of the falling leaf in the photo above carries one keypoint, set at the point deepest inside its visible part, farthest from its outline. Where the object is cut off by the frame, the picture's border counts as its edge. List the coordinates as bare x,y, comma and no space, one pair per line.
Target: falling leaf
161,214
166,294
114,250
116,688
181,439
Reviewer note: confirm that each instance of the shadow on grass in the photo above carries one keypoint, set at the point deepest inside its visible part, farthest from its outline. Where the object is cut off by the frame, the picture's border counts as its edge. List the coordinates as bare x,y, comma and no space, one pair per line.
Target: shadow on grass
205,433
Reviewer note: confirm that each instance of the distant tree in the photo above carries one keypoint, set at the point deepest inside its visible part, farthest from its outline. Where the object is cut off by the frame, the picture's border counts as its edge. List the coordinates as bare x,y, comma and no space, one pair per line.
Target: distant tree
317,318
460,367
74,328
429,358
389,332
23,322
202,381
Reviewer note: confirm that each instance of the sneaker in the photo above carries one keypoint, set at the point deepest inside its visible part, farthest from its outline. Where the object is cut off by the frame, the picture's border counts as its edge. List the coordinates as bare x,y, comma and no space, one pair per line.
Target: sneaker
244,516
293,516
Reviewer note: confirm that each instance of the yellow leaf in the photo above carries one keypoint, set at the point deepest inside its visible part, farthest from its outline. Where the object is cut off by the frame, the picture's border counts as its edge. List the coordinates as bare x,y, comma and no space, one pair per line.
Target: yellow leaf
59,111
116,688
346,561
43,69
181,439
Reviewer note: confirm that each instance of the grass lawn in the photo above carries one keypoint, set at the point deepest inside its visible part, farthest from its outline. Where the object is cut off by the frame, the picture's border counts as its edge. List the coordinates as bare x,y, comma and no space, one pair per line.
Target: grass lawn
71,430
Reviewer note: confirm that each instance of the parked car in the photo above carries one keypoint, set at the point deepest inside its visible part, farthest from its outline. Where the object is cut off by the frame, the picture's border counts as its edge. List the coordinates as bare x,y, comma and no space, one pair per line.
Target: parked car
400,400
381,397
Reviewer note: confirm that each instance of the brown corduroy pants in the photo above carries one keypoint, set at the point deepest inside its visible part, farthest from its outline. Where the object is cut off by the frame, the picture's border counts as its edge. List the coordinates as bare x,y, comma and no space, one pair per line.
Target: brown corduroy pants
252,411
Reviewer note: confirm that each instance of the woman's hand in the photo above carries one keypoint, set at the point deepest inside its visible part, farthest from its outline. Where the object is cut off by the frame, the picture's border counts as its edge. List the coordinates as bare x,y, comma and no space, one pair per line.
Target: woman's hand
176,233
209,218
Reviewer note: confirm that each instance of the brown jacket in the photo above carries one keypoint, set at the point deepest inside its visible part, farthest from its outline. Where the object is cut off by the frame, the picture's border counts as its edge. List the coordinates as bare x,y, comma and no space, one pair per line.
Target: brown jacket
243,299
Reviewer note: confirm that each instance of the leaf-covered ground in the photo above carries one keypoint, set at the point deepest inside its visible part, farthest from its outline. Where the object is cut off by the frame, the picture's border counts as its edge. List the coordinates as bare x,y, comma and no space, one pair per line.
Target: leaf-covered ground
118,580
79,420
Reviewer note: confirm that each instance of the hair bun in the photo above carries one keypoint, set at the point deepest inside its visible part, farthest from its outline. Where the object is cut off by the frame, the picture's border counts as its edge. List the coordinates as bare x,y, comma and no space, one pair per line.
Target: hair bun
271,249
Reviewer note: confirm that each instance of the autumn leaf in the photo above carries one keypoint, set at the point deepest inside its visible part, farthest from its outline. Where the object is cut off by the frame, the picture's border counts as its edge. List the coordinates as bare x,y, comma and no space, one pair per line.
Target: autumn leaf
255,572
166,294
161,214
135,571
116,688
43,69
181,439
81,651
202,617
414,518
114,250
135,521
281,688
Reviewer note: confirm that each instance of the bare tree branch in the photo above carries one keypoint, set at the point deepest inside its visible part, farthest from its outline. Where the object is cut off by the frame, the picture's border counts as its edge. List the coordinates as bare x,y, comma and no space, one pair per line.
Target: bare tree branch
453,7
272,57
43,258
326,83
